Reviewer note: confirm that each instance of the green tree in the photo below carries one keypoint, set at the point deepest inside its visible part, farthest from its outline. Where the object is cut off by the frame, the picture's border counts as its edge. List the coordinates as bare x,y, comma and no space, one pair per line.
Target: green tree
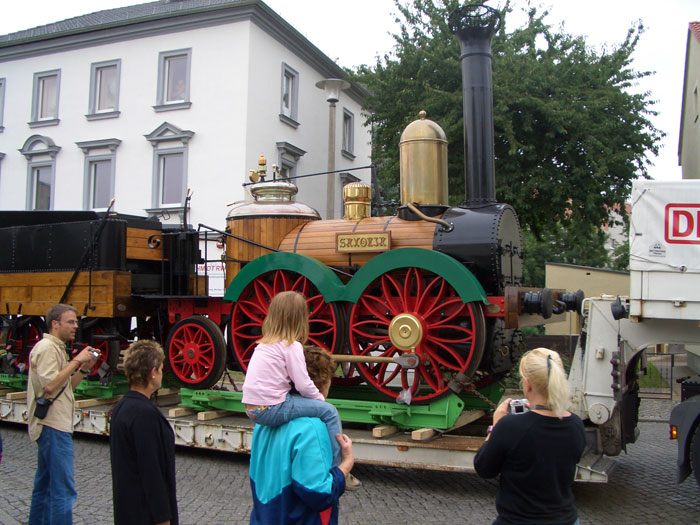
570,136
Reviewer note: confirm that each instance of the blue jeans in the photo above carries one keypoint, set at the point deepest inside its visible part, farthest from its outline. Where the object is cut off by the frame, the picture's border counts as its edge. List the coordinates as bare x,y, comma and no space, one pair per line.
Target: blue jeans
297,406
54,489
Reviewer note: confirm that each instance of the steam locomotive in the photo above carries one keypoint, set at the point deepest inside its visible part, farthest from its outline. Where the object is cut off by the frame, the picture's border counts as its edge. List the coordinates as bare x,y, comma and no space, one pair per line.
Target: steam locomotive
436,282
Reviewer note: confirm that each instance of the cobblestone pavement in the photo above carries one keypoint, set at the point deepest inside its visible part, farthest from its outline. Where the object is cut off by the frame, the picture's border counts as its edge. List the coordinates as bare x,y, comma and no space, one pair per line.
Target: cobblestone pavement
213,487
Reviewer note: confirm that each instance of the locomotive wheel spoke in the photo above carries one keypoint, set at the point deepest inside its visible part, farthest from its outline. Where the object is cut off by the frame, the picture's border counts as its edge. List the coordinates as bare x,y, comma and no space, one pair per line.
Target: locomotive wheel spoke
196,352
413,306
250,311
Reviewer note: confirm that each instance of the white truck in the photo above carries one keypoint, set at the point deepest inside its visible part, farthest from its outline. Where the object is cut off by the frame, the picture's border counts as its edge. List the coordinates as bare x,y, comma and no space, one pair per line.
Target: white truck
663,307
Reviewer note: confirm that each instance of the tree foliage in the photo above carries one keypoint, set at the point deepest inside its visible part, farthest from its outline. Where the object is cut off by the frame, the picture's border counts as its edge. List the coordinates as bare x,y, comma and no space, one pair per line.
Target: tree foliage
570,135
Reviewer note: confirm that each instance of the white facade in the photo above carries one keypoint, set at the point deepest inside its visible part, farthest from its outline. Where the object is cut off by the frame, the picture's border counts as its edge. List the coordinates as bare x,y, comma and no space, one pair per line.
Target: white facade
228,116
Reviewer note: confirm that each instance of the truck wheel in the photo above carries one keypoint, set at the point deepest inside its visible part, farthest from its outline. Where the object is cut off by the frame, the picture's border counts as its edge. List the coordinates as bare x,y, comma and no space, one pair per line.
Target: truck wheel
695,454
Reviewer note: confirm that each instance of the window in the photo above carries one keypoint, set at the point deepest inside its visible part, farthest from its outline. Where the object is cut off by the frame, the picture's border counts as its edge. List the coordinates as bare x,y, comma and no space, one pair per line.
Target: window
289,155
41,154
348,146
171,181
173,80
98,186
290,96
2,103
170,145
41,187
45,99
104,90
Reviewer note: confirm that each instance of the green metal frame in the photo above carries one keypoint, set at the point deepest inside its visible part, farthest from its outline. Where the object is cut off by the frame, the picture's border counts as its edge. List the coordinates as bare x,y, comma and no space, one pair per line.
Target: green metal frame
322,277
97,390
441,414
332,288
18,381
459,277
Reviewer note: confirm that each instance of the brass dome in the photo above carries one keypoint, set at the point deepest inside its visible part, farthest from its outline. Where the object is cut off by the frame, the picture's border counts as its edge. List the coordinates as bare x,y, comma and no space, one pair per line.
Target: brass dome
423,172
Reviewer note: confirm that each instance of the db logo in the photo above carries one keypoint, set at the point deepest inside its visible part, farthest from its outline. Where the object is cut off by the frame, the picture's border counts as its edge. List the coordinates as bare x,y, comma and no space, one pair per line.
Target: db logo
682,224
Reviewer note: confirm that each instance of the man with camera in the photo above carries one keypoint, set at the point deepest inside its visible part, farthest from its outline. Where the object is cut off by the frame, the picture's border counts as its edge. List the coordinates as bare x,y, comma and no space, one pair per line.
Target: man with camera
52,377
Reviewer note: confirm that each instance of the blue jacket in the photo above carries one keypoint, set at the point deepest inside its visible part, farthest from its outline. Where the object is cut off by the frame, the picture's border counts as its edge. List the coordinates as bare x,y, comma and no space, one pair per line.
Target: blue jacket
291,477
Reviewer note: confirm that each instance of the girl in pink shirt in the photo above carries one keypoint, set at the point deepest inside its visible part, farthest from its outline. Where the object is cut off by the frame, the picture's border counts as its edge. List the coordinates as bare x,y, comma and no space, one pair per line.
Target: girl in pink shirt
277,362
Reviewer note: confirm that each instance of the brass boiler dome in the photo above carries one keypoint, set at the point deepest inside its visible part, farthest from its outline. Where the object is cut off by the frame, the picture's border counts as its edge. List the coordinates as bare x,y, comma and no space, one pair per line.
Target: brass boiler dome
274,198
423,152
357,197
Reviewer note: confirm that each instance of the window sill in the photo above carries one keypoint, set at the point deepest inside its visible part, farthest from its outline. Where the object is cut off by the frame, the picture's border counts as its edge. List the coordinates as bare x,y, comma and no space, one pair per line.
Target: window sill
289,121
103,115
347,154
172,106
165,211
44,123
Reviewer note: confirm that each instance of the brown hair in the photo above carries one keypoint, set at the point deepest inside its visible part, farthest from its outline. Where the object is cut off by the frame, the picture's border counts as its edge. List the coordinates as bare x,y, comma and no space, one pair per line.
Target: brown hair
56,312
320,365
545,371
287,319
140,358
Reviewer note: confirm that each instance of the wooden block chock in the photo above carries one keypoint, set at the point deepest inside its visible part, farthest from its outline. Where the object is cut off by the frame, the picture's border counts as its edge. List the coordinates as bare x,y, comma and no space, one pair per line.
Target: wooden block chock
422,434
12,396
212,414
381,431
180,411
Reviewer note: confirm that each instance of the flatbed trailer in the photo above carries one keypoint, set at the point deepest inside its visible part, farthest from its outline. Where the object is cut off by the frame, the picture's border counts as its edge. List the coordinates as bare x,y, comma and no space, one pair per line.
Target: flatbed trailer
381,445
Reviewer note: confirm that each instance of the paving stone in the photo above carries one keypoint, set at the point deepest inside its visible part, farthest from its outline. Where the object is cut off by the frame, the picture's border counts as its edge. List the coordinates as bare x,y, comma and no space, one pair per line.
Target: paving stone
213,487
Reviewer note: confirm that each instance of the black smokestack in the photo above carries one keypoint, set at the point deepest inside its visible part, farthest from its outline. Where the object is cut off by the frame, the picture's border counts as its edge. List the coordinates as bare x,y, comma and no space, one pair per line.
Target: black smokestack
475,27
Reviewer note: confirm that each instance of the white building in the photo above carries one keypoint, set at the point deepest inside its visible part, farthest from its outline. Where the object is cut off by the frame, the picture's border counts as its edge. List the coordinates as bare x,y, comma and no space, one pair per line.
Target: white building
140,103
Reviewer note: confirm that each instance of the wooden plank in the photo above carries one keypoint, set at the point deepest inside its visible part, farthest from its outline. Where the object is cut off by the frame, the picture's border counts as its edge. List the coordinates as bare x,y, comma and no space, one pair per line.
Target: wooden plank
4,391
149,254
381,431
422,434
95,401
141,233
16,395
212,414
180,411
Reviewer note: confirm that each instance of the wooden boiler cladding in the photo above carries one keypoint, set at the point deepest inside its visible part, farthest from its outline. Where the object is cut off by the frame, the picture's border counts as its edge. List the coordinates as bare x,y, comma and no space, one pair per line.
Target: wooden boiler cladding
268,231
318,239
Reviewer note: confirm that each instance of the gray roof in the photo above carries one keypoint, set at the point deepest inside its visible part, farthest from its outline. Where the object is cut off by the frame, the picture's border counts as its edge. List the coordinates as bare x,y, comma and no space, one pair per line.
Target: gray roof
111,17
164,15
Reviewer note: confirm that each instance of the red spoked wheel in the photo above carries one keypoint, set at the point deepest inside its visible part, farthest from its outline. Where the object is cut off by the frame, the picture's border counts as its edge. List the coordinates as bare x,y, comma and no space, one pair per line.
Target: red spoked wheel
411,309
24,333
196,352
105,339
249,312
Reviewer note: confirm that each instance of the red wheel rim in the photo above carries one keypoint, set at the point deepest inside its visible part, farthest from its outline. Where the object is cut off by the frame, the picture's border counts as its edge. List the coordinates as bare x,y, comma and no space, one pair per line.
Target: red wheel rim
191,353
250,311
452,333
27,336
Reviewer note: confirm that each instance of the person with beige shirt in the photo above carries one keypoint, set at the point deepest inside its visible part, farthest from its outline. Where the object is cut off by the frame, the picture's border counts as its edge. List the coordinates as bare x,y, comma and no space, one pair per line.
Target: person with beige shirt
53,376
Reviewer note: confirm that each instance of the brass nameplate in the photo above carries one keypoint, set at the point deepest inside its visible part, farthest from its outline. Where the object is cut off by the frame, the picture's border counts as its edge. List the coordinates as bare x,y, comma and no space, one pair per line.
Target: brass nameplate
362,242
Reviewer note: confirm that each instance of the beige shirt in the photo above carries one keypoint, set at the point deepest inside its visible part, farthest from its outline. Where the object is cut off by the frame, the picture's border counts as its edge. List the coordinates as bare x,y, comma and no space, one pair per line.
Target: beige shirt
46,360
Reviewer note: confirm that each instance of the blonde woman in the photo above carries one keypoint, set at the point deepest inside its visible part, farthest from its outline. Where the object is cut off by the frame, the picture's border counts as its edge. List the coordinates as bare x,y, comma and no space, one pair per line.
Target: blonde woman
535,452
277,362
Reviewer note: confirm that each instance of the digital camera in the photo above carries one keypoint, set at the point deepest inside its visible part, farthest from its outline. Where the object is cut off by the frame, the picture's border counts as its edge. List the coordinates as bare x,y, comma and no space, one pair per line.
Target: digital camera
518,406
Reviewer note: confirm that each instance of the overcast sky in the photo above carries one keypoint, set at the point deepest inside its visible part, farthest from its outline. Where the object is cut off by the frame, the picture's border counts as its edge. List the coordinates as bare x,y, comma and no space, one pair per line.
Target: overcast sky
354,33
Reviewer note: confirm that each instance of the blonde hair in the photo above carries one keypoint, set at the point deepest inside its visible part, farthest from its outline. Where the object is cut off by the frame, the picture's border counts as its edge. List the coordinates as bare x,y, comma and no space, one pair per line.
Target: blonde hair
544,369
287,319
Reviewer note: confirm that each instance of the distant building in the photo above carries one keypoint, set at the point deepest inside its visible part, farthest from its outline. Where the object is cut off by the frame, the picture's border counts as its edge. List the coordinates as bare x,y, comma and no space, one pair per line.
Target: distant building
689,142
593,281
140,103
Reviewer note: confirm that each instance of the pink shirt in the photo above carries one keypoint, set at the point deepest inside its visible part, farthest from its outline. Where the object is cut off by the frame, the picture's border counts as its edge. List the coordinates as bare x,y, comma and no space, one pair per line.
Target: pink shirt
271,370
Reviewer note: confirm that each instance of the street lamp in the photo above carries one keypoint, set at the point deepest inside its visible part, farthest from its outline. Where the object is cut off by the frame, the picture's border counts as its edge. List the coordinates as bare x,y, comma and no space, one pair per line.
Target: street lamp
332,87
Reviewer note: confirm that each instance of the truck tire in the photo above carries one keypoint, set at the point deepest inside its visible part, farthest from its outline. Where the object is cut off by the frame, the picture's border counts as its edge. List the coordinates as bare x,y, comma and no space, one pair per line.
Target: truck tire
695,454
